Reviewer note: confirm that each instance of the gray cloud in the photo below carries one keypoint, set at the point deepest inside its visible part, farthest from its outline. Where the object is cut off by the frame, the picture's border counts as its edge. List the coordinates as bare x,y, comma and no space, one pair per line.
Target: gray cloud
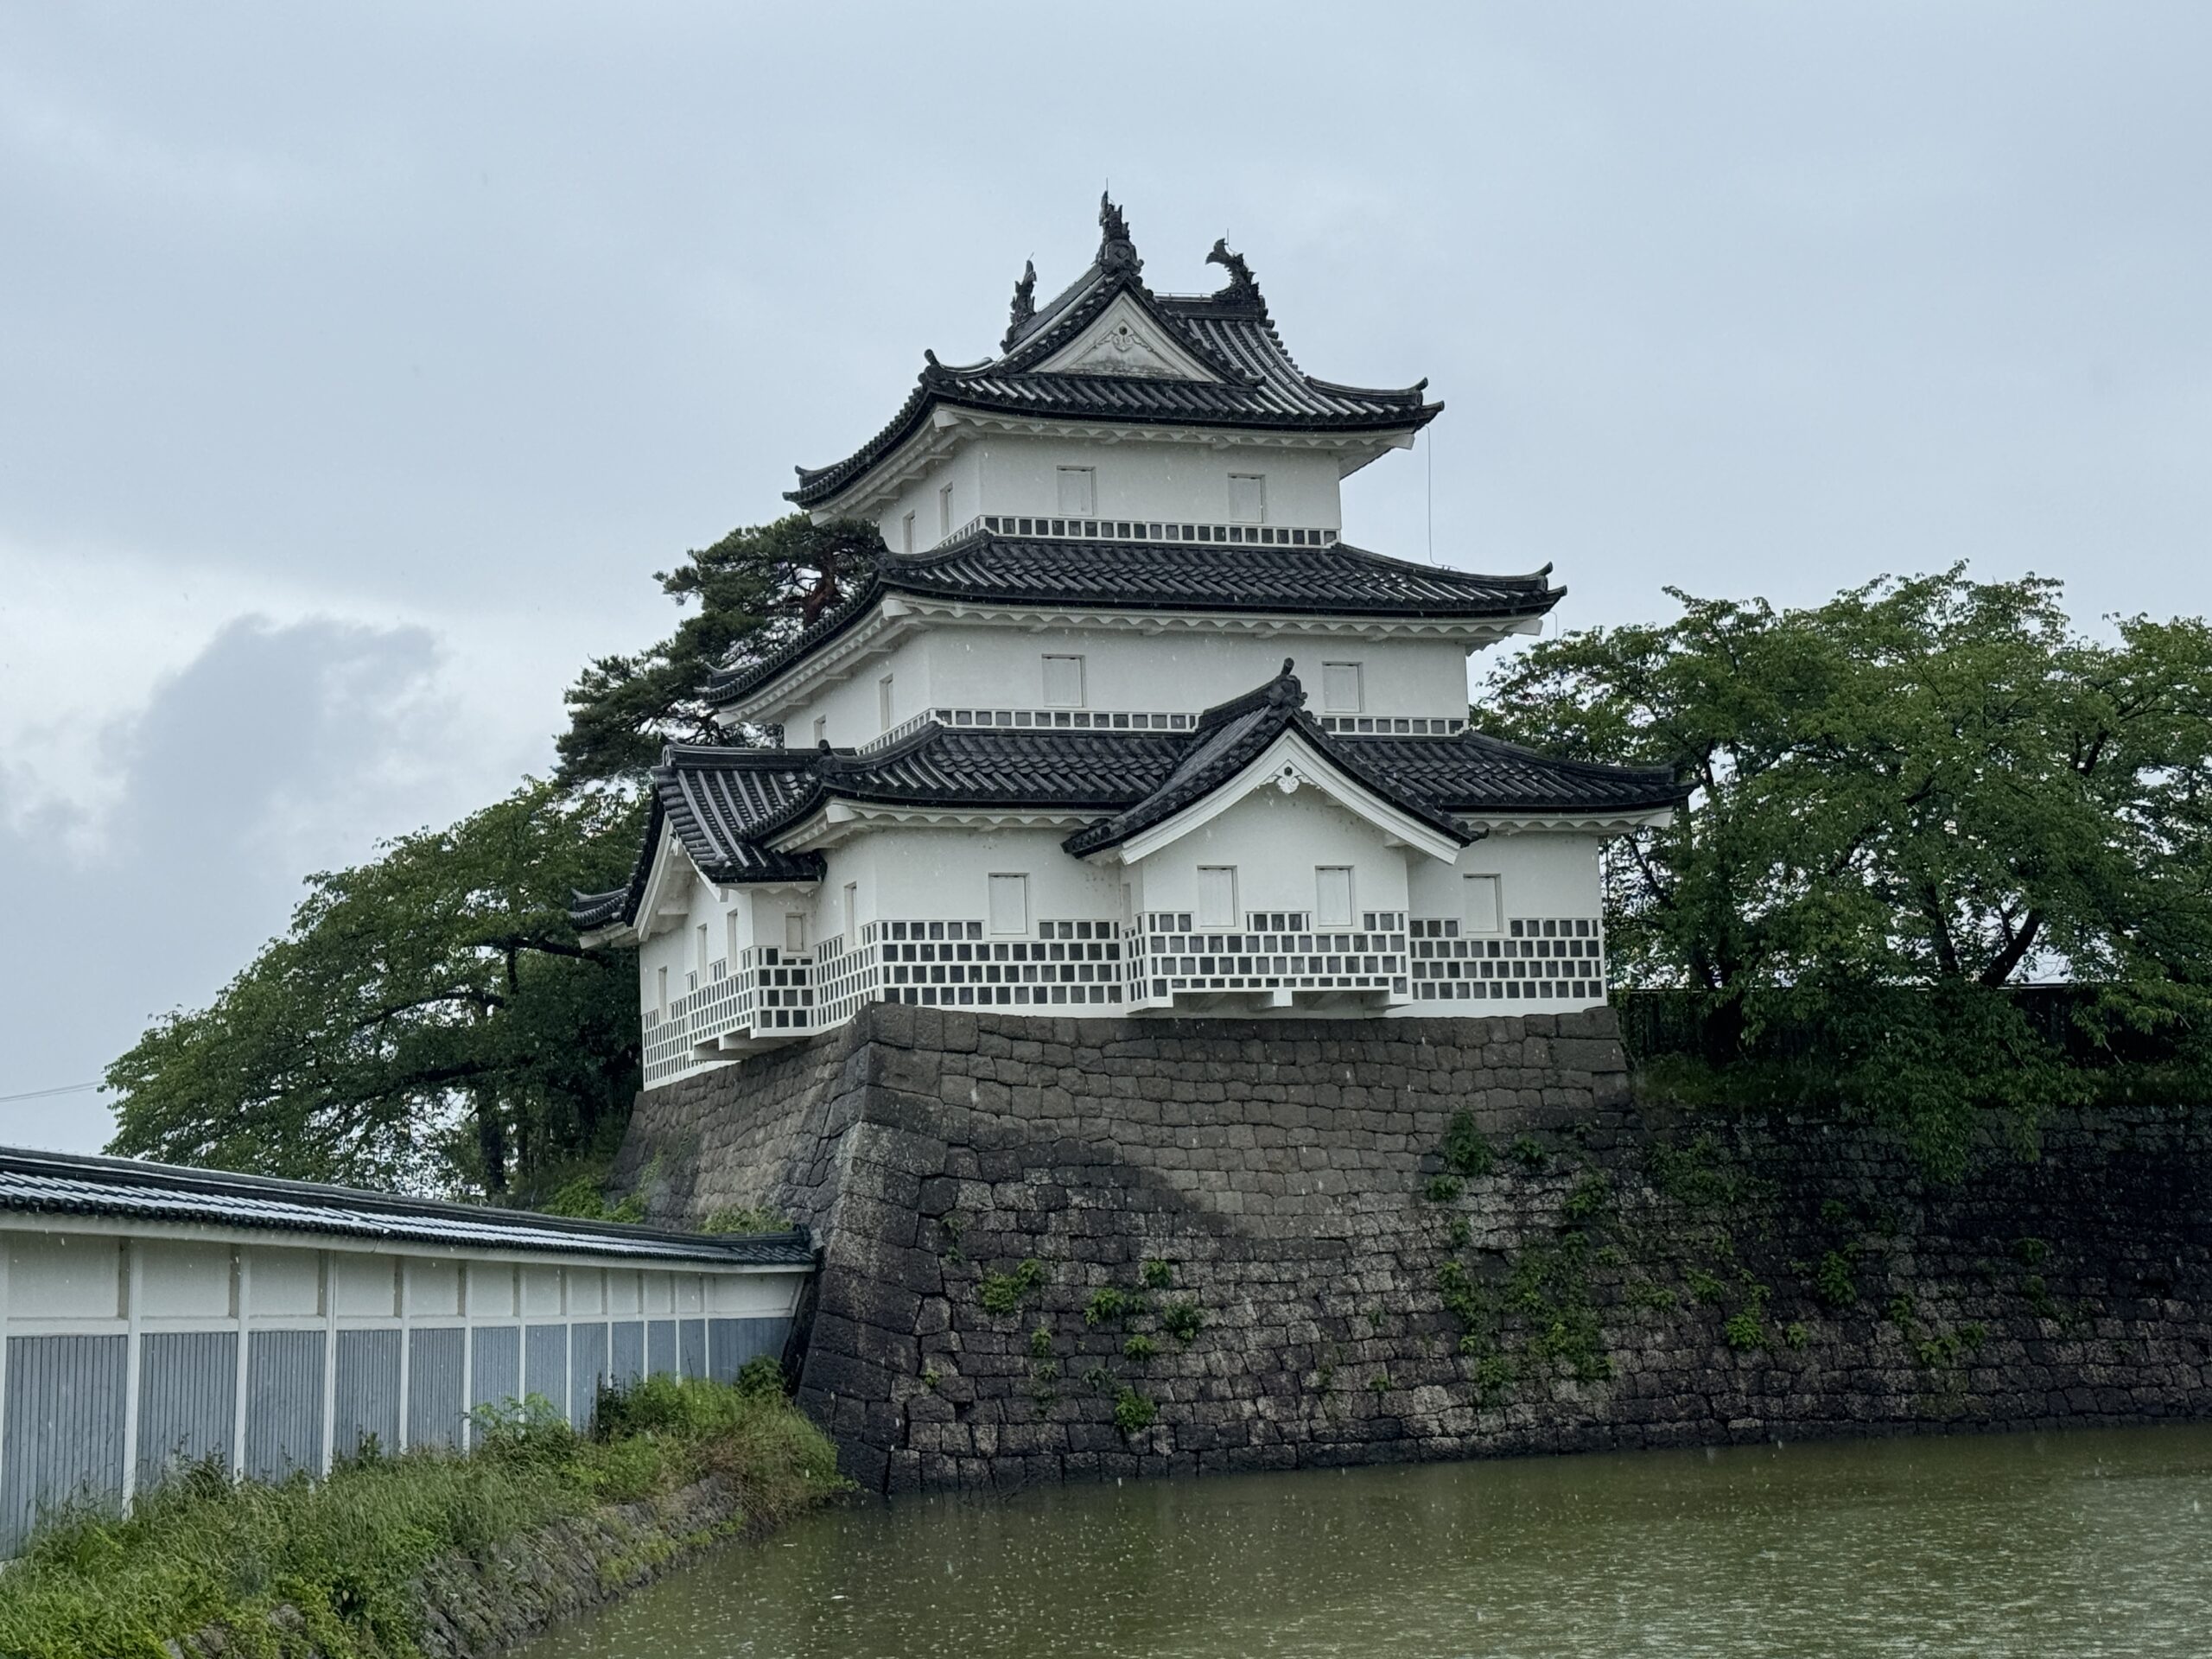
276,752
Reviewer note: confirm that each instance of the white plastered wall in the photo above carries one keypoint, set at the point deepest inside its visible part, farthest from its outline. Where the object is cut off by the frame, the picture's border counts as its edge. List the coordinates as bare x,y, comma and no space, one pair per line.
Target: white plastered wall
1135,478
962,470
1187,481
1001,668
1541,874
1276,843
851,710
923,875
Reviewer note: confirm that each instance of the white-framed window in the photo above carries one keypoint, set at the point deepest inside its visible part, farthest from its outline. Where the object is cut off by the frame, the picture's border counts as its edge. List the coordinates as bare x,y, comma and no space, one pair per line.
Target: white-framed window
1485,907
1078,491
883,702
1342,688
795,932
1248,497
944,510
699,953
1333,895
660,991
1009,904
1063,682
906,534
1217,895
821,730
734,950
852,914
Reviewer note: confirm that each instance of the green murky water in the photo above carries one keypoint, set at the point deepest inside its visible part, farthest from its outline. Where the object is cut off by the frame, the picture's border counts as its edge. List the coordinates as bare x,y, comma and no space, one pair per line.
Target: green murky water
2097,1542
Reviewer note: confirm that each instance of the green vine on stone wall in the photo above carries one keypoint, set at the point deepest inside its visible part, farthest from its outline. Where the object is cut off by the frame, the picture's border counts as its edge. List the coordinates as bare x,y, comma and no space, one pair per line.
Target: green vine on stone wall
1005,1293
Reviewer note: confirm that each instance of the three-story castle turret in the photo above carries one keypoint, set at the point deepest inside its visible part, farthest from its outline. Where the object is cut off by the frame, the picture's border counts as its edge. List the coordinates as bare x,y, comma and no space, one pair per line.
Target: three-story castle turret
1049,755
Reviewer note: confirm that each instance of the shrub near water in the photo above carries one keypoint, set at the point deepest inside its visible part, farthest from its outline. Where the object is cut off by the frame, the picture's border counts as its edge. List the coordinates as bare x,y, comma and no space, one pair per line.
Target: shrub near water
346,1552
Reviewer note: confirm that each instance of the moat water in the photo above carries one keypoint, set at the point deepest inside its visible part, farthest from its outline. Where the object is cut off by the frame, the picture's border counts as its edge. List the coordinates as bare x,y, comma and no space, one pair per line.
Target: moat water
2091,1543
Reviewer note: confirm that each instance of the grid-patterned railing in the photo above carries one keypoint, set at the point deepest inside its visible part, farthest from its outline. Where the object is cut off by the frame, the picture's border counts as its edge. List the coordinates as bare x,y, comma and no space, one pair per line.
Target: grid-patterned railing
954,964
1550,958
1150,530
776,996
1178,960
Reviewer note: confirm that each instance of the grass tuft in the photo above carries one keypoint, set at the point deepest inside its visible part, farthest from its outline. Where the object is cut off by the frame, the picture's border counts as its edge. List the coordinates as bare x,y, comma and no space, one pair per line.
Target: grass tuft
347,1552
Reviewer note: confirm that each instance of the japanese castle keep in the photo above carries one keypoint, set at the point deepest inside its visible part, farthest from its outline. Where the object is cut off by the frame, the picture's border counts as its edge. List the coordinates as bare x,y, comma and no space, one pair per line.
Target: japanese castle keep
1120,724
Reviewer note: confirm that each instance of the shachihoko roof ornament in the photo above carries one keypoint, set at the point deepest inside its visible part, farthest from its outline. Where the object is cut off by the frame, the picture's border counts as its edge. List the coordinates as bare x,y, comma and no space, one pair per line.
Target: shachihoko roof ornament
1117,251
1024,307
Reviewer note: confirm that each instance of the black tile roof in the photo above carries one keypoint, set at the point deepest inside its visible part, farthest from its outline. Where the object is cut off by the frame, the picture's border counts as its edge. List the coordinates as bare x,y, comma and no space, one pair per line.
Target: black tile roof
1230,737
1336,580
1259,385
1130,779
713,800
47,1183
1472,774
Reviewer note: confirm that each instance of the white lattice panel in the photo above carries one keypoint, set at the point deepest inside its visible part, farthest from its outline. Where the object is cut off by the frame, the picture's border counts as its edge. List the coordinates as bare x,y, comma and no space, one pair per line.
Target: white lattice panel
1181,961
1548,958
952,964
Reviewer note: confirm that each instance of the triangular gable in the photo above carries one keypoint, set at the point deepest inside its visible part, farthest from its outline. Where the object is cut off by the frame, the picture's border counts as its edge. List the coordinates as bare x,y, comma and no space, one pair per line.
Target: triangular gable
1126,338
669,875
1290,763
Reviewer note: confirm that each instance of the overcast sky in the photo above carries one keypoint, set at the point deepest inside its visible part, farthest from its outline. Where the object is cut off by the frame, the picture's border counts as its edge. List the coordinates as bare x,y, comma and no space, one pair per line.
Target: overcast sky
357,371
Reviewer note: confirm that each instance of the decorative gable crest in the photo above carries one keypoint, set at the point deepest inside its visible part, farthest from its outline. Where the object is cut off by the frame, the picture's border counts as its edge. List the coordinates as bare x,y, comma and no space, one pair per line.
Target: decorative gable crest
1124,340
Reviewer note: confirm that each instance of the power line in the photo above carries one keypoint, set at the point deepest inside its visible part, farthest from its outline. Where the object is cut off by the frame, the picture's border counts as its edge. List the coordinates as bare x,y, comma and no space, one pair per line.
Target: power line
43,1094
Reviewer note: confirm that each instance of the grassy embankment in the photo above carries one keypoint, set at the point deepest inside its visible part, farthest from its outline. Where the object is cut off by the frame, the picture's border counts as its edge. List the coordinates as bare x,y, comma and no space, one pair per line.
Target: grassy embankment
348,1552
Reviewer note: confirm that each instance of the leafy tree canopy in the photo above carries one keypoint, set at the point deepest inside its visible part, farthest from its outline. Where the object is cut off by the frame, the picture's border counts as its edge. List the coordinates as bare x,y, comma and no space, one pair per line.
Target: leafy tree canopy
1927,783
754,588
429,1020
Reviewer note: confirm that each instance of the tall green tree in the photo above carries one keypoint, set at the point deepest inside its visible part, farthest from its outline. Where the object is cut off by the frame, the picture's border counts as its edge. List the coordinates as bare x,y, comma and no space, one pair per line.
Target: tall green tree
753,591
428,1020
1926,784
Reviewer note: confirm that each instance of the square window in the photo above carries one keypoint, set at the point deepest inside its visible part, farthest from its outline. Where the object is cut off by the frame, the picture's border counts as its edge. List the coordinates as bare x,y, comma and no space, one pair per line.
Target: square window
1078,491
1217,895
1482,904
1009,904
1341,690
1248,497
1333,895
1064,682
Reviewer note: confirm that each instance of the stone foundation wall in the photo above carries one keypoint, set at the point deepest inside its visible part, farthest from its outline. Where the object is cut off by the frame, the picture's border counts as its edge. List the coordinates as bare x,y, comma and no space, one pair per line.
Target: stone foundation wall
1294,1275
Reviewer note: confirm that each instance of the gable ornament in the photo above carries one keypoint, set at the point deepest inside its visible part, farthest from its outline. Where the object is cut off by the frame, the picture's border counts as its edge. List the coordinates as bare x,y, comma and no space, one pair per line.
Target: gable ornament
1024,309
1117,254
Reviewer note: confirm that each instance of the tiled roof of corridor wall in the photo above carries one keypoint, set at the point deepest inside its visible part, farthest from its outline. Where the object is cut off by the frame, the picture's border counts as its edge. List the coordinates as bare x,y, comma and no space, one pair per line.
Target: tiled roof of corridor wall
73,1184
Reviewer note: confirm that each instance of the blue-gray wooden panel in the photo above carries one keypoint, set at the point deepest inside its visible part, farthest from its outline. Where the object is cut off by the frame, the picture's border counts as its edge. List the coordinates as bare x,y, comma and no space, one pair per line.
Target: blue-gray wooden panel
187,1401
545,1364
627,1361
283,1402
730,1343
691,1344
365,1402
434,1370
495,1366
62,1432
660,1346
586,1371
